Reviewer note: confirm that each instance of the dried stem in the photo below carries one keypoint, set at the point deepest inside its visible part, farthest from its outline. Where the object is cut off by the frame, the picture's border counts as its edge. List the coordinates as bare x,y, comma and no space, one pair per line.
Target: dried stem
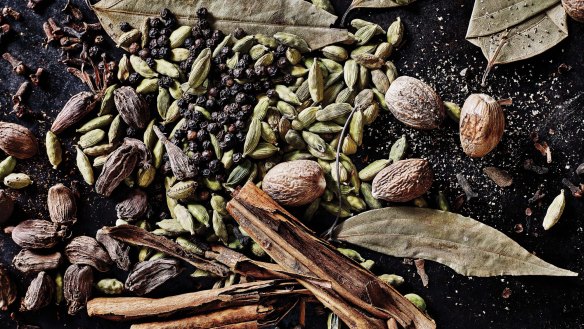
493,59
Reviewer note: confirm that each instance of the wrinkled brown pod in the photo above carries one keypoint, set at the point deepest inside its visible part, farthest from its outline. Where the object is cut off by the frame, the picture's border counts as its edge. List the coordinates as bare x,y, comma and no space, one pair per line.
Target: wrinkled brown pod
148,275
85,250
181,166
574,8
132,107
133,207
17,141
403,181
74,110
121,163
77,285
295,183
29,261
415,103
37,234
62,205
118,251
7,289
39,294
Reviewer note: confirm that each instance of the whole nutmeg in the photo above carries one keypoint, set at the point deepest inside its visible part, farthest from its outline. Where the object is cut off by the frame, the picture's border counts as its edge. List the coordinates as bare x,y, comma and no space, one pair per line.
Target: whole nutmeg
403,181
481,125
295,183
17,141
415,103
574,8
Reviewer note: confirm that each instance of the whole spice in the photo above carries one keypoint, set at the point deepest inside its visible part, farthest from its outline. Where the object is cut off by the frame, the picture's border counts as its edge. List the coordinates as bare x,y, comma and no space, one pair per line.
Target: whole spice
6,207
84,250
39,293
110,286
7,289
17,180
182,166
574,8
132,107
37,234
17,141
403,180
554,211
17,65
7,166
501,177
133,207
295,183
62,205
118,251
481,125
30,261
54,150
78,106
148,275
77,285
415,103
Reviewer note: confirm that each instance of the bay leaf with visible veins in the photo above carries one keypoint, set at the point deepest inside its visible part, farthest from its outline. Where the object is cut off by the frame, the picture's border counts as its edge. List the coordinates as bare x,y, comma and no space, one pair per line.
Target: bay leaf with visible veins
509,31
467,246
267,17
376,4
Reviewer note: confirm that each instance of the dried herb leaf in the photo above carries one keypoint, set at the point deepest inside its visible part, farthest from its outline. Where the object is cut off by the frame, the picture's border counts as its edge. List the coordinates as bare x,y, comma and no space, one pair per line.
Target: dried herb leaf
266,17
462,243
509,31
376,4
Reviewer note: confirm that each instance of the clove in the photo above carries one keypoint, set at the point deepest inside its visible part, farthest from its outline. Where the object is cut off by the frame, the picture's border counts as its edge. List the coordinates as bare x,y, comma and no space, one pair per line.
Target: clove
9,11
49,36
17,65
66,41
576,191
17,97
57,31
92,26
35,77
463,182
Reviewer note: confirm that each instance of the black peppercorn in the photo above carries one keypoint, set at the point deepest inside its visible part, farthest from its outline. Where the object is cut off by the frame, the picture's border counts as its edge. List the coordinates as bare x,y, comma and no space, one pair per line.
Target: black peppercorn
282,62
162,41
202,135
125,27
155,22
289,79
165,82
240,98
280,51
272,70
134,78
151,62
197,158
237,157
196,32
166,31
163,52
210,104
213,127
271,93
239,125
94,51
260,71
207,155
206,145
144,53
165,13
131,132
215,166
202,12
239,33
206,172
153,33
240,136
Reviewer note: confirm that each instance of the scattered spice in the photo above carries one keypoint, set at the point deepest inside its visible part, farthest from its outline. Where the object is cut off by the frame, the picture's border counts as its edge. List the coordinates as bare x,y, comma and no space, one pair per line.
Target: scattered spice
421,269
468,191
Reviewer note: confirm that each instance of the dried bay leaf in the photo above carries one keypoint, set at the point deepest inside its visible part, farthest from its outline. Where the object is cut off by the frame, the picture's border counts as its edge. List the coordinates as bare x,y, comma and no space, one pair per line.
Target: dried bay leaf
462,243
266,17
376,4
509,31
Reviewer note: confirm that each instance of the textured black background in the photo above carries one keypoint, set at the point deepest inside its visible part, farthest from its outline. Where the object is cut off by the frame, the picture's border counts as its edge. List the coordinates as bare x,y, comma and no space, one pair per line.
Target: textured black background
435,51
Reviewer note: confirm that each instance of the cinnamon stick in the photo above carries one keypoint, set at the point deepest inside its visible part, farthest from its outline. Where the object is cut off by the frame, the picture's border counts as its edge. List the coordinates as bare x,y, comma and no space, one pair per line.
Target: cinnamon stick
135,308
356,295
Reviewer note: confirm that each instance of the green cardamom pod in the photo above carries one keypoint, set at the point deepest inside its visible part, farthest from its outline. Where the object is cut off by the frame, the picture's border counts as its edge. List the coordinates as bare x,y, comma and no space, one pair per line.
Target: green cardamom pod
175,90
200,213
263,151
293,56
329,154
127,38
265,40
244,44
380,99
96,123
368,264
232,61
200,69
158,154
226,42
370,171
99,161
294,139
364,78
253,136
147,86
371,113
331,93
395,32
367,193
178,36
268,134
325,128
171,226
184,217
239,174
258,51
141,67
150,137
356,127
17,180
219,204
365,49
366,33
303,92
98,150
179,54
285,94
352,254
265,60
116,130
107,102
190,246
315,82
380,80
384,50
297,155
333,209
173,113
398,149
292,40
227,159
167,68
391,71
219,227
310,211
257,250
261,108
124,68
359,23
452,110
145,176
110,286
442,201
54,150
182,190
288,111
417,301
392,279
351,73
144,28
84,167
335,53
349,146
314,141
369,61
333,111
356,203
305,118
324,5
91,138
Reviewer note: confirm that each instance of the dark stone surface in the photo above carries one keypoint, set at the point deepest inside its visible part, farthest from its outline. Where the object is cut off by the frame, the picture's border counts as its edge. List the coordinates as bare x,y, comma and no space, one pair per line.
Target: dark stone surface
435,51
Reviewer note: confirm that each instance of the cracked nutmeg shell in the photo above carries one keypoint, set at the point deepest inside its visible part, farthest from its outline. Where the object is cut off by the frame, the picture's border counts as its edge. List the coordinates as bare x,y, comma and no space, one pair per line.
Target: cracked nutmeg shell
574,8
295,183
481,125
415,103
17,141
403,181
132,107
